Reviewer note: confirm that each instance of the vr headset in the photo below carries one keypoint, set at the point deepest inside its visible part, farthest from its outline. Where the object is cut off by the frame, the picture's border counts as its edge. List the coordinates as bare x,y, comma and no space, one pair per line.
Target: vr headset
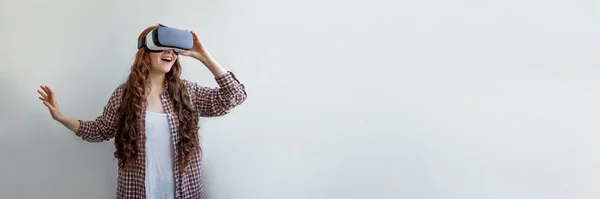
167,38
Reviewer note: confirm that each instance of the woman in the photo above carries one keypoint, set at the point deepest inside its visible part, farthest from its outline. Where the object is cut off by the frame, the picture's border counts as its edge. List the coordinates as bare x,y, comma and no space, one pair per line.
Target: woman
153,117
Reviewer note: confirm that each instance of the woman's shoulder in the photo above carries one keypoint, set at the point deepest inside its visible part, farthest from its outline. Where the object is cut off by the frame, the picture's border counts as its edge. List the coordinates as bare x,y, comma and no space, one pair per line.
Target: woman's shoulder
117,94
118,91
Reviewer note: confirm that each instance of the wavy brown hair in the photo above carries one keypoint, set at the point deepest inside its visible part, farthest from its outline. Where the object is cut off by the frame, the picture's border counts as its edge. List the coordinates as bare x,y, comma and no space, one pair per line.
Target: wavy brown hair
130,136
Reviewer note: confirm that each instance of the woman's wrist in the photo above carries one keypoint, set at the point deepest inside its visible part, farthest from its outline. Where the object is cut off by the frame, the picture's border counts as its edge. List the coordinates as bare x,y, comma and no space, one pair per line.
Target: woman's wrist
71,124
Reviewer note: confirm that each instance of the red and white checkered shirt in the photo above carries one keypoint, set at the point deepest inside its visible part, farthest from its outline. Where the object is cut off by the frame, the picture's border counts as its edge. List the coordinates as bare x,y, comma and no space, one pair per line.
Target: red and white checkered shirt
208,102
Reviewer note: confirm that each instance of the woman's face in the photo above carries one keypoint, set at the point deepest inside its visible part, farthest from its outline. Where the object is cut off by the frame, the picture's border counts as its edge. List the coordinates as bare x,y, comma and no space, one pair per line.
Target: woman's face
162,62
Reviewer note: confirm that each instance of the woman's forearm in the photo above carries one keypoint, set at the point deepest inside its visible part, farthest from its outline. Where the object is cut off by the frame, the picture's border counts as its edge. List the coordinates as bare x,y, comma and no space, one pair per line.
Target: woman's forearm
71,124
215,68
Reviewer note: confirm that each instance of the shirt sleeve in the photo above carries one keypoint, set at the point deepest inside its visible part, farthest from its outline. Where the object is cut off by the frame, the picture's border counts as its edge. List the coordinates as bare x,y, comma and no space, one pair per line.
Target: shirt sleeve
104,126
213,102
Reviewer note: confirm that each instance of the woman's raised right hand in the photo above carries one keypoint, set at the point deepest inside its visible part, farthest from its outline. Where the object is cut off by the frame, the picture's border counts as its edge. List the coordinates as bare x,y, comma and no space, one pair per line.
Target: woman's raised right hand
48,98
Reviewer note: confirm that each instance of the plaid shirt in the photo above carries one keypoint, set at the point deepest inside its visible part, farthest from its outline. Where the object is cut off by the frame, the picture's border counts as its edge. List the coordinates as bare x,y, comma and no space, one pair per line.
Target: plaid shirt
208,102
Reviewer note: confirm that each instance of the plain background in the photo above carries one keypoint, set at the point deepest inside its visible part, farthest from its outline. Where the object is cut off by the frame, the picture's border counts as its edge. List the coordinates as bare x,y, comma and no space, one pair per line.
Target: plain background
434,99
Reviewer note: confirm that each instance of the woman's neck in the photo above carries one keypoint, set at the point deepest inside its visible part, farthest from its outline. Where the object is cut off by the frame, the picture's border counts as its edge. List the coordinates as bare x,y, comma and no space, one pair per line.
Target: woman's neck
157,82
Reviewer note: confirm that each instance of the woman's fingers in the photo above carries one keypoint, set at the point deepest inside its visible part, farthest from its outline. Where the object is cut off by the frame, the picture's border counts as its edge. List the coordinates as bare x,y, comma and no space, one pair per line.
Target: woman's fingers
43,88
48,90
195,36
47,104
47,96
43,94
50,95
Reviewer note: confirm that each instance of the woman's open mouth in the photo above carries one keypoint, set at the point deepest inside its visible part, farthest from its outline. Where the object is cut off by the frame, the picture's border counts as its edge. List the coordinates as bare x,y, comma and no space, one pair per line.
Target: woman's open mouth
167,59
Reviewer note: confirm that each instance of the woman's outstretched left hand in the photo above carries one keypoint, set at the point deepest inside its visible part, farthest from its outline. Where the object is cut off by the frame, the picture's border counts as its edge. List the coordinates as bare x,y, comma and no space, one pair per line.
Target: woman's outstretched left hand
198,51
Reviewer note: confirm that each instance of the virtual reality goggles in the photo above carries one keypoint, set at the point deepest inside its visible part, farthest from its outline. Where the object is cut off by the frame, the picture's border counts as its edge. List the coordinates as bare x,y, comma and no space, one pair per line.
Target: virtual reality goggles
167,38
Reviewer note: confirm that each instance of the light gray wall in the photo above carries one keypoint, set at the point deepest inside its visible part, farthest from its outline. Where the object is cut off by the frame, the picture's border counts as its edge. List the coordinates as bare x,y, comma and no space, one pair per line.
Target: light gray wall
377,99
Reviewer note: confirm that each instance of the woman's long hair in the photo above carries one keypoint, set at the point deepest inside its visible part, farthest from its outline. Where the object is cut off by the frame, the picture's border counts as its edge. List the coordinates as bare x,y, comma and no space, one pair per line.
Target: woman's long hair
130,136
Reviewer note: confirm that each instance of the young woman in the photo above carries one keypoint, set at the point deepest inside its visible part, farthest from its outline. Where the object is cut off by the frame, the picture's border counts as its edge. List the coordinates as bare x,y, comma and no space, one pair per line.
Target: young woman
153,117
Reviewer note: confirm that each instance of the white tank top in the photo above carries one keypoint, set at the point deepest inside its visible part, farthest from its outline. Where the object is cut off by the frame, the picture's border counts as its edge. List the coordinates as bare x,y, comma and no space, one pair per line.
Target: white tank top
160,183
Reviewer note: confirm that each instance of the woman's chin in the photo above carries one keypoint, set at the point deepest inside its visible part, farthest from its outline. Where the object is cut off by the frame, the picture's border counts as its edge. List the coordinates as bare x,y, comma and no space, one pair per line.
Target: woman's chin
166,69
